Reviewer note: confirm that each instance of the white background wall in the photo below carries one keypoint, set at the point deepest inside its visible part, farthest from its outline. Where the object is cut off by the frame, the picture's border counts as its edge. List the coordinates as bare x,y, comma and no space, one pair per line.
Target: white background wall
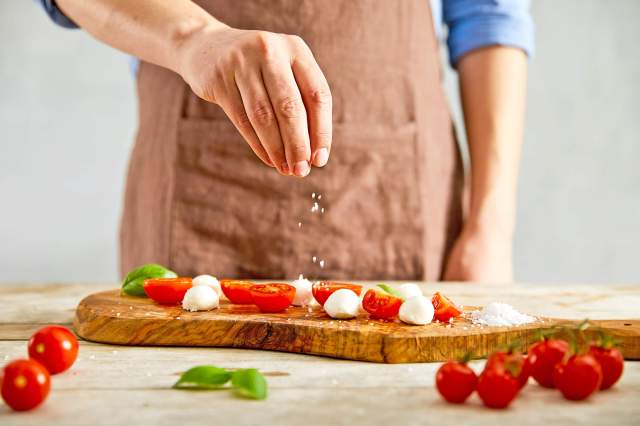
67,120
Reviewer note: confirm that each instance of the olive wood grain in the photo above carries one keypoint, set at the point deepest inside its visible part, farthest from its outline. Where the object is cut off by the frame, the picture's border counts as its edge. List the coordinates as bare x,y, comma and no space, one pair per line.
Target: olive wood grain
108,317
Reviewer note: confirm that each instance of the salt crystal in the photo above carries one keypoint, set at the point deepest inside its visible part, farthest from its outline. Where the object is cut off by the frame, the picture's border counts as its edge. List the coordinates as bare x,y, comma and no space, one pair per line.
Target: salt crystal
118,314
322,263
6,357
299,224
314,259
319,196
500,314
313,195
451,320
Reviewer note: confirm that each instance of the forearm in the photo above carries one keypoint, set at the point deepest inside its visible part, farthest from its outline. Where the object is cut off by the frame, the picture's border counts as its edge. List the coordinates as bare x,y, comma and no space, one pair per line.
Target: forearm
151,30
493,89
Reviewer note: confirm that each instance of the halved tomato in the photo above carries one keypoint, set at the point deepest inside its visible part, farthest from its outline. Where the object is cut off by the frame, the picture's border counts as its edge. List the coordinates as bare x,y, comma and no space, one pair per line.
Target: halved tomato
237,291
167,291
444,308
323,289
273,297
381,304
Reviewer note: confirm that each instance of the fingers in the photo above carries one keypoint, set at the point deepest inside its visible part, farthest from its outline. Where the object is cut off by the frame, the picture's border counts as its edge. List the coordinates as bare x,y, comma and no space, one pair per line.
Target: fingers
290,113
235,109
317,100
262,118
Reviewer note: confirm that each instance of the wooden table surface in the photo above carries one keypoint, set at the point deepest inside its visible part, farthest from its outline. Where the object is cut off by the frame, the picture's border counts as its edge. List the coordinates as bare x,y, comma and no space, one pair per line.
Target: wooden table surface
132,385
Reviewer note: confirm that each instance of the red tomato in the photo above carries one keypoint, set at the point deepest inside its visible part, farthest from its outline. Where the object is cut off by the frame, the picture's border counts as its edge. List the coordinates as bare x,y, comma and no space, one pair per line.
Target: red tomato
612,363
54,347
579,377
25,384
497,387
381,304
456,381
323,289
515,362
274,297
237,291
544,355
444,308
167,291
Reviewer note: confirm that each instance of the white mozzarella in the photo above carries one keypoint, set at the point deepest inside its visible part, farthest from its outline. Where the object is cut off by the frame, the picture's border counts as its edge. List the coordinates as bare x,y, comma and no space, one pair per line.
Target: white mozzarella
409,290
417,310
200,298
342,304
209,280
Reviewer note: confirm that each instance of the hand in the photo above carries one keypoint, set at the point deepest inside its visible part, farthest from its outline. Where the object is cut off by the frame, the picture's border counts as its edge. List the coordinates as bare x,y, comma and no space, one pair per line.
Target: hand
271,88
480,255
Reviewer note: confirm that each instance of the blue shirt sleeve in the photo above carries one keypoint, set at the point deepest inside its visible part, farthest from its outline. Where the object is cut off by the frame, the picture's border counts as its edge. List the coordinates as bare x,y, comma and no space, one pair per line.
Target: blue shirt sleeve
56,14
477,23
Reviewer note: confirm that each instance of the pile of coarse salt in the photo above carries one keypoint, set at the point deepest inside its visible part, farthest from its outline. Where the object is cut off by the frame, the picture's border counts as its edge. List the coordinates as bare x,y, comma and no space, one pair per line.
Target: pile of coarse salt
499,314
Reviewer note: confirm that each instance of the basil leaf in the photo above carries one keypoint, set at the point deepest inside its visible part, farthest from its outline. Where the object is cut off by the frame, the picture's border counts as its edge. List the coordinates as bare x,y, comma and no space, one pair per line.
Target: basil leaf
134,281
249,383
391,290
203,377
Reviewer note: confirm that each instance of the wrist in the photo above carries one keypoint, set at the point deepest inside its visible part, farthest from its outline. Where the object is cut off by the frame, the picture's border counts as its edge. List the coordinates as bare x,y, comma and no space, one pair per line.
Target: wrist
492,215
183,32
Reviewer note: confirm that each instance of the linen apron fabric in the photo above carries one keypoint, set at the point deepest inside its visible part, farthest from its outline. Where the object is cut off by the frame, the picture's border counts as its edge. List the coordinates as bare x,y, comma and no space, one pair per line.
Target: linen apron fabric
199,201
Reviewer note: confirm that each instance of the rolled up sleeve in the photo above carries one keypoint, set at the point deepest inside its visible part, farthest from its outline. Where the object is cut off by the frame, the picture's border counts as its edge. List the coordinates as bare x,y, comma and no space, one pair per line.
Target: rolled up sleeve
56,14
478,23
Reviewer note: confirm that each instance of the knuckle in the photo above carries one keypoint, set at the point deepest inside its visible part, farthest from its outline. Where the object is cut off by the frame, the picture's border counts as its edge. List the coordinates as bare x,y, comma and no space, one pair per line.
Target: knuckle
299,150
321,97
291,107
242,119
265,42
262,114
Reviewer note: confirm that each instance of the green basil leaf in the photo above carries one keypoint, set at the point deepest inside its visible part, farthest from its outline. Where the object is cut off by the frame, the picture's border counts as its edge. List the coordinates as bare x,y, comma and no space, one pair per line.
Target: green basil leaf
134,281
249,383
203,377
390,290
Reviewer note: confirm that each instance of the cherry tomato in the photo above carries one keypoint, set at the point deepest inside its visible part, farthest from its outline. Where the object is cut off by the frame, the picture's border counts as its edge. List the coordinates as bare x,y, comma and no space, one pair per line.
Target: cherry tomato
515,361
444,308
323,289
544,355
497,387
237,291
25,384
612,363
167,291
579,377
274,297
456,381
381,304
54,347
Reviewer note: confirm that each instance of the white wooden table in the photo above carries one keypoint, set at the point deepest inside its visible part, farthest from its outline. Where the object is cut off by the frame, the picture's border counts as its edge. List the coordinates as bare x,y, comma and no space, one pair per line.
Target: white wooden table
132,385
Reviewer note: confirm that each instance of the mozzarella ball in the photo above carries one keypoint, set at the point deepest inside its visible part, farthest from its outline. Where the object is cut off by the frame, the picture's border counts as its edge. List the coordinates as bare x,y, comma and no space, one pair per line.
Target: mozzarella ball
409,290
342,304
418,311
200,298
303,292
208,280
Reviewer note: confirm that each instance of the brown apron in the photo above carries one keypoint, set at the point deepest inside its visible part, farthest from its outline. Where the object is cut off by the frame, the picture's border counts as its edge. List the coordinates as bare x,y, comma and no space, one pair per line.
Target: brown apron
199,201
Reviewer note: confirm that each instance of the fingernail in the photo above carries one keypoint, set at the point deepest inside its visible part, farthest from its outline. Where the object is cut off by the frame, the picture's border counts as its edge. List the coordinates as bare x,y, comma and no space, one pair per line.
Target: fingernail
301,168
284,168
321,157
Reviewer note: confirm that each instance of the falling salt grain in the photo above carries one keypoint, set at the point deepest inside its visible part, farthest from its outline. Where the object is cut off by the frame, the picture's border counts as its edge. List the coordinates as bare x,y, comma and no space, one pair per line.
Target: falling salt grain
319,196
314,259
322,210
313,195
299,224
322,263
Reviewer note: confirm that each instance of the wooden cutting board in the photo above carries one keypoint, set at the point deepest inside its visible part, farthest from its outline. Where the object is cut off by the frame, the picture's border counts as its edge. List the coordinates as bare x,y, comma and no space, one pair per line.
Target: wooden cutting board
108,317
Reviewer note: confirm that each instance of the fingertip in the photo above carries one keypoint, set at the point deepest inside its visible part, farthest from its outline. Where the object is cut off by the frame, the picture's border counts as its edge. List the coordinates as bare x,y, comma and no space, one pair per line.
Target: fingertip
301,168
321,157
